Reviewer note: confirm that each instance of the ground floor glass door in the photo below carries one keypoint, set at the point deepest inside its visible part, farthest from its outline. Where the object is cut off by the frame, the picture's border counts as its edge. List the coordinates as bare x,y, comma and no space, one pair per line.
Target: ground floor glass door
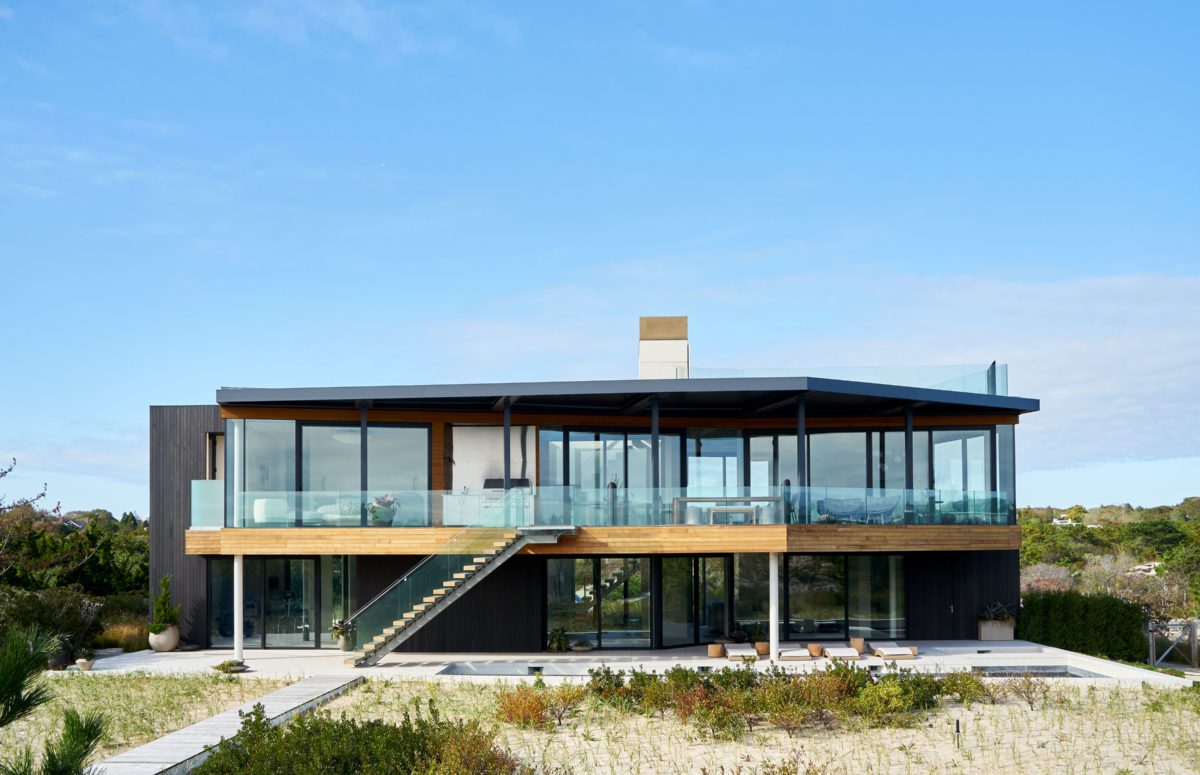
289,603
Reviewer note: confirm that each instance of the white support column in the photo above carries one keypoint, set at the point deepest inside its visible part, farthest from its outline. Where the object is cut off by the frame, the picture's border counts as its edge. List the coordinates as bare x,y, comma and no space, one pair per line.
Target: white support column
239,606
773,616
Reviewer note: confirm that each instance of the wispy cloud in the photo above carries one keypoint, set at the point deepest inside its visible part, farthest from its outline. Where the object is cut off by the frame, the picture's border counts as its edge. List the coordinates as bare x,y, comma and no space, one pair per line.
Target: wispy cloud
27,190
6,13
187,26
704,58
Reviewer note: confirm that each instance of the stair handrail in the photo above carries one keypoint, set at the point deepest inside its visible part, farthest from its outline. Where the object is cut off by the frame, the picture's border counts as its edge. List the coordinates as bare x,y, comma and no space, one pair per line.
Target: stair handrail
514,493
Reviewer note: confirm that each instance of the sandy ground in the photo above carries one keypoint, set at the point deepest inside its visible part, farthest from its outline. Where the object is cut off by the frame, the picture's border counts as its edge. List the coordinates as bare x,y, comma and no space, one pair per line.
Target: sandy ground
139,707
1080,729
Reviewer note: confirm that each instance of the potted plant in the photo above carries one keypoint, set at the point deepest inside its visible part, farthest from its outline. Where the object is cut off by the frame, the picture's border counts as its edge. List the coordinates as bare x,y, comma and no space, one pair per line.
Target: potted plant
762,646
997,621
382,510
343,631
84,658
557,642
58,651
738,635
164,626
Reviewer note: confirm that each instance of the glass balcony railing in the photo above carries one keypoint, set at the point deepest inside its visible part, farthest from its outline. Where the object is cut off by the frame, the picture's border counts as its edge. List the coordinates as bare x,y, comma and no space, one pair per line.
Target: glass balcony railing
610,507
208,503
969,378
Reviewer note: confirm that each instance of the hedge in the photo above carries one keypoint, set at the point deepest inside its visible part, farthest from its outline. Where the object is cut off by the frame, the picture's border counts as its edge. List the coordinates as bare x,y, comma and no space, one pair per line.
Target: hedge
1100,625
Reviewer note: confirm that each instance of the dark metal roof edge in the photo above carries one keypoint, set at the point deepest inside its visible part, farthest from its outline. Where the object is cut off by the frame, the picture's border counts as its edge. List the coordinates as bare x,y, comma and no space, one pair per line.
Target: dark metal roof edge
228,395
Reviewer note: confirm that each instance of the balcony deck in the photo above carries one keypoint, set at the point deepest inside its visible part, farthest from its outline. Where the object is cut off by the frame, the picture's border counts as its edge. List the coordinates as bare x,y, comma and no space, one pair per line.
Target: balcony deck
617,540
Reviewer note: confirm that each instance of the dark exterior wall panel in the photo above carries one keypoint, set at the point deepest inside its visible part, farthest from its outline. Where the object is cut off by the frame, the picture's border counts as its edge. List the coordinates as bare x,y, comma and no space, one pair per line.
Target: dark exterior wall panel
178,454
947,590
503,613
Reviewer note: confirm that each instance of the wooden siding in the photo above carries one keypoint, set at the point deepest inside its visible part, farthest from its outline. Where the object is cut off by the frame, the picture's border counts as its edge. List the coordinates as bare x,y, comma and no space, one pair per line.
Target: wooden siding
614,420
619,540
178,454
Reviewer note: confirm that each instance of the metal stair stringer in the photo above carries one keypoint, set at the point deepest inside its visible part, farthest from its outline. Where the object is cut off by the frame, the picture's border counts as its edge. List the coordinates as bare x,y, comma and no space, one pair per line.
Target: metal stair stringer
402,630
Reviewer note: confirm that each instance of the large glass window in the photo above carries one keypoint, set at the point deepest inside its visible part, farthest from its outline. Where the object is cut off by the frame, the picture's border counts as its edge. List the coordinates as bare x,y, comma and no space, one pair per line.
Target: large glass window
330,457
816,596
751,601
1006,461
678,621
962,460
714,461
550,457
625,602
398,465
261,472
712,606
837,460
571,598
289,602
887,460
875,596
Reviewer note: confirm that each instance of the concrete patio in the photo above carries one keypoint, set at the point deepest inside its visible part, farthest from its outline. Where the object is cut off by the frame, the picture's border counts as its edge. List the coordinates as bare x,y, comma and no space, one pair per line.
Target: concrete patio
934,656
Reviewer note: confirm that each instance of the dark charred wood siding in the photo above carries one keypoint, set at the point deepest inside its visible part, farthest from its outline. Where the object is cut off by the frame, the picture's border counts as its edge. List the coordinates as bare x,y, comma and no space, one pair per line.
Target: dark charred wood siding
178,454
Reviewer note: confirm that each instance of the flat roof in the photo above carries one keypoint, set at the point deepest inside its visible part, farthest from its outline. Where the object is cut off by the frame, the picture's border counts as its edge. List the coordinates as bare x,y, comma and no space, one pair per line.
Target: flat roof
734,396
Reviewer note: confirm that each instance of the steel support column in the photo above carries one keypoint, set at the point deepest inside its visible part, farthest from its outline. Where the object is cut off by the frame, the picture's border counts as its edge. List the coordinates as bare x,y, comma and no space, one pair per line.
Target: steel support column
239,606
773,616
507,445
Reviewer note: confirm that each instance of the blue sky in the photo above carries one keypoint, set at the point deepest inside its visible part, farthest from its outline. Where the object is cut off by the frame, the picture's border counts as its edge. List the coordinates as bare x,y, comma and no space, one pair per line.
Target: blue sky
344,192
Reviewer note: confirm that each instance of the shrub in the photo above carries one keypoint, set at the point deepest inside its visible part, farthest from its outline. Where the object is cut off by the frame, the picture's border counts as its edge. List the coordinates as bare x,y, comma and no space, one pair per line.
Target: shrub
63,611
523,706
229,666
920,690
734,679
604,681
963,686
657,697
719,720
563,699
165,614
1101,625
317,744
1028,689
883,703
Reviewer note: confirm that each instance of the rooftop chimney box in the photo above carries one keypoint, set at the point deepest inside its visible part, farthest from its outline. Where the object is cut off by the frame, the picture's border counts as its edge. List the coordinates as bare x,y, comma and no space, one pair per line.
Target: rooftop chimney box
663,347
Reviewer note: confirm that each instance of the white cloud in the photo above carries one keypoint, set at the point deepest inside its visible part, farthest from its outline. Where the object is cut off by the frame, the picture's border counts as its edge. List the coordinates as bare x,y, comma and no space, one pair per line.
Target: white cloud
1114,360
6,13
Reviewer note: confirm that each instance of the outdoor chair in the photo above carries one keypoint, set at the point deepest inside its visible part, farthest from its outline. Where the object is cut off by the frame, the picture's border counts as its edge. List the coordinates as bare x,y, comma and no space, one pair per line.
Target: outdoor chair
890,650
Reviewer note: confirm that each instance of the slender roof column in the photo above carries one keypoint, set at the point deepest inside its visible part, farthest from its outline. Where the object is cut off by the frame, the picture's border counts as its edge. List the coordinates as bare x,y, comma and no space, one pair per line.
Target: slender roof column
238,606
773,615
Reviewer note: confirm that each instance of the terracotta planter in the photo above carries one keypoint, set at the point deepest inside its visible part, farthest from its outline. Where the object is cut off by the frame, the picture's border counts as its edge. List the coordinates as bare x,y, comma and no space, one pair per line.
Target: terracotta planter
858,644
762,647
166,640
84,664
814,649
996,629
716,650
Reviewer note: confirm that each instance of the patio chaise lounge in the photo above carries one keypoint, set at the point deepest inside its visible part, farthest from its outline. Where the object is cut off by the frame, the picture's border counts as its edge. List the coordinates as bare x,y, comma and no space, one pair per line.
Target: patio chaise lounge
841,652
889,650
738,651
794,655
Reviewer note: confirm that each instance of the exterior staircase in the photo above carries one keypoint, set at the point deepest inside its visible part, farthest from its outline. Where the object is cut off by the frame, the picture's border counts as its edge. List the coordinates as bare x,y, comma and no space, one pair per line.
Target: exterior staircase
433,585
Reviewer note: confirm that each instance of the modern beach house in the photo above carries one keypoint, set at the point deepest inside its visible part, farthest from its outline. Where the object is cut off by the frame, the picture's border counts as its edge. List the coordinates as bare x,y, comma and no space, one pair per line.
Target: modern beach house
675,509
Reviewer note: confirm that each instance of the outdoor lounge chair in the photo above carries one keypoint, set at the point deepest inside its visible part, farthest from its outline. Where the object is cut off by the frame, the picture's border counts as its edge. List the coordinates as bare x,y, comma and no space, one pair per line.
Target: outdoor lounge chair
794,655
739,651
889,650
841,652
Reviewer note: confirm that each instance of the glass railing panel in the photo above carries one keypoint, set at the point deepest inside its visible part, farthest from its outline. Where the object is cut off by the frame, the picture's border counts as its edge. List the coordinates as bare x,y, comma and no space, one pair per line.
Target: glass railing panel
968,378
208,503
420,581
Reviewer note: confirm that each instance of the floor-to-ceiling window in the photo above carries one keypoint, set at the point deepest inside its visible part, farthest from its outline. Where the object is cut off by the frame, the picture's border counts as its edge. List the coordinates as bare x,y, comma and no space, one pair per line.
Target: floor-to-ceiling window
678,601
285,602
875,595
714,461
625,602
751,595
571,598
398,466
260,460
816,592
712,607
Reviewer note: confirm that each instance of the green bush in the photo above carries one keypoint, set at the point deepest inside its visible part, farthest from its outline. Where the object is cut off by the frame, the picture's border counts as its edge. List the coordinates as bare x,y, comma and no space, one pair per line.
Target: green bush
422,743
919,690
61,611
963,686
165,614
1100,625
883,703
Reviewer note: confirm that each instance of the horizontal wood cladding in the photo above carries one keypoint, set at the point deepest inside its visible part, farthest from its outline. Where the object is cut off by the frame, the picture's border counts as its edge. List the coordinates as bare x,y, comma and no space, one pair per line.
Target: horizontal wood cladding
698,539
616,421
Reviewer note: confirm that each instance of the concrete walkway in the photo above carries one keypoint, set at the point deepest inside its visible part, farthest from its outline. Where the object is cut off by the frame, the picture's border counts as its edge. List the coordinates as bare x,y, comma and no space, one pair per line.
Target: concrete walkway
180,751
